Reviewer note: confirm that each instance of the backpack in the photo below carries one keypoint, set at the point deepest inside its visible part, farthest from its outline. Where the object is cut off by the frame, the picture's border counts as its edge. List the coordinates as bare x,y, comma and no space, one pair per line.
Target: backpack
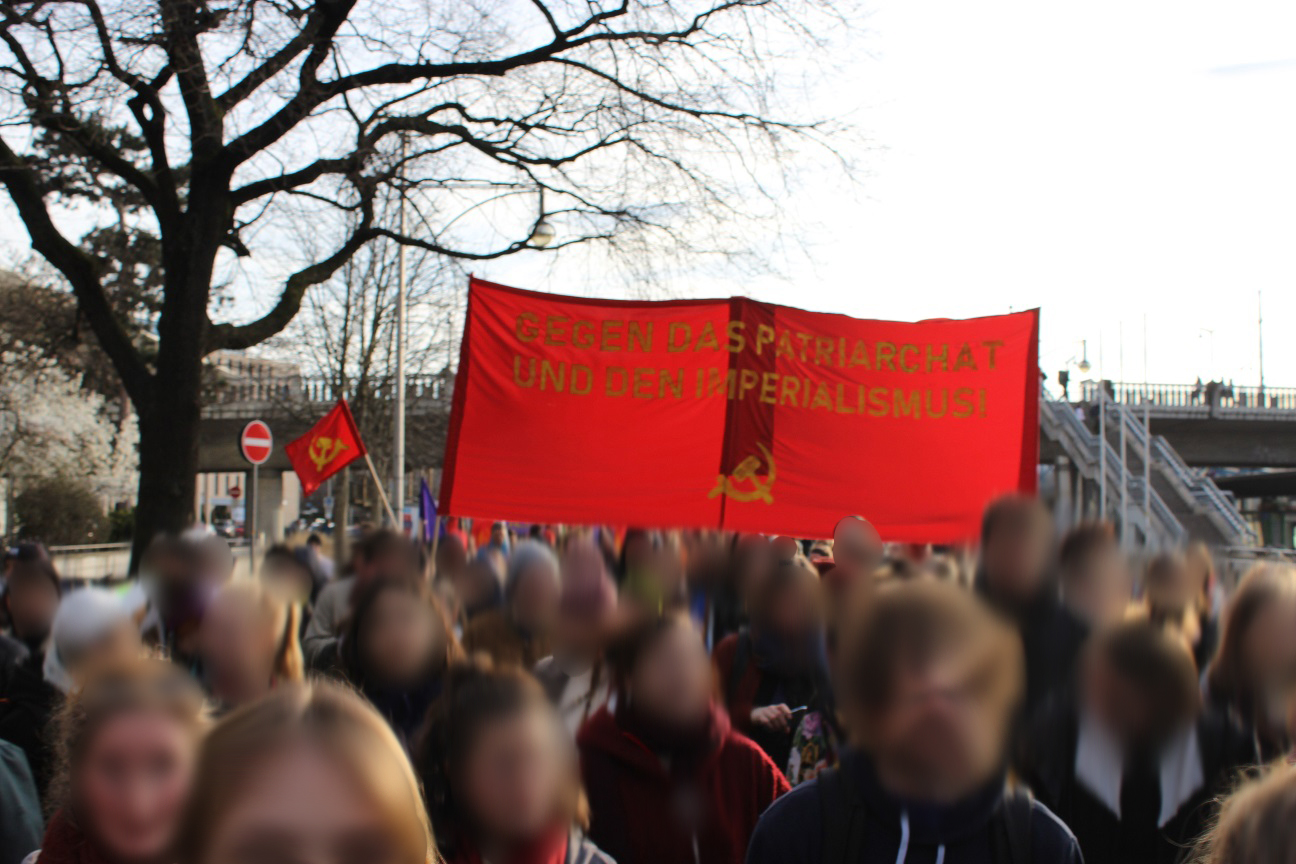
846,819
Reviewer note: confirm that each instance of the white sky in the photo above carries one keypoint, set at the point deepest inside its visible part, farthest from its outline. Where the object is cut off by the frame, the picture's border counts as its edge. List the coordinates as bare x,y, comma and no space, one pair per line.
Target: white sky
1102,160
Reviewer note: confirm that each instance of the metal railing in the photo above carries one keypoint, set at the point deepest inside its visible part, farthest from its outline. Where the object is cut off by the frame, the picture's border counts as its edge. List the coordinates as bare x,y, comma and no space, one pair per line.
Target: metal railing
1211,501
304,389
1201,396
1084,449
110,562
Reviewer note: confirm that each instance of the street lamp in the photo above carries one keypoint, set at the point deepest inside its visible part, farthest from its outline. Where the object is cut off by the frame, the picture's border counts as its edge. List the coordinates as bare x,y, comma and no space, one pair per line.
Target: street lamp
543,234
1083,365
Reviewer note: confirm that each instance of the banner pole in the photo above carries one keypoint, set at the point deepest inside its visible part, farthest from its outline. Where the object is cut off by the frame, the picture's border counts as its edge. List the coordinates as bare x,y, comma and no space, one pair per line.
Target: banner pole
383,495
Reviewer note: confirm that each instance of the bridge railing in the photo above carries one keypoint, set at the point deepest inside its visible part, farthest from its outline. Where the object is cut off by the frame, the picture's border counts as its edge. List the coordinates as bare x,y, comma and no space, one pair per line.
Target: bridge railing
309,389
1188,396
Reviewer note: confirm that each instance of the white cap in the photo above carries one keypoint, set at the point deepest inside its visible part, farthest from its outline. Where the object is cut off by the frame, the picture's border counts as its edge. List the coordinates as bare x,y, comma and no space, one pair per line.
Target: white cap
83,618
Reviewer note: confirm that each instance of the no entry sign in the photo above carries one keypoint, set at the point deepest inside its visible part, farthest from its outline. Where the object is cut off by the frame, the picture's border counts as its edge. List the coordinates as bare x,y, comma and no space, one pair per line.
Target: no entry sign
256,442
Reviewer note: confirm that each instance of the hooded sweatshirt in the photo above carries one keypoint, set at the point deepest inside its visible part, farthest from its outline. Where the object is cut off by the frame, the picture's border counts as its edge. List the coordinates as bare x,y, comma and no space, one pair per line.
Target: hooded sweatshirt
904,832
694,804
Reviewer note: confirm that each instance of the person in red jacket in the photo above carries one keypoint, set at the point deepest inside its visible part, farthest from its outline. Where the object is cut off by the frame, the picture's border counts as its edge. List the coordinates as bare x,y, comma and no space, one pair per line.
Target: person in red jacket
668,778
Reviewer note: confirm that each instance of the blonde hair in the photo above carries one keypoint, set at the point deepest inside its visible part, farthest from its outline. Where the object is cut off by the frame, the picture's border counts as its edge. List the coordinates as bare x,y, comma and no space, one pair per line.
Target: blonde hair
342,726
282,617
143,684
1256,824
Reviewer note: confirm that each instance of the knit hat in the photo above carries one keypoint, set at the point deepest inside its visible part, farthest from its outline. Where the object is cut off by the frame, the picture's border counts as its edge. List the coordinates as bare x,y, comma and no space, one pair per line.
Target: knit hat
528,554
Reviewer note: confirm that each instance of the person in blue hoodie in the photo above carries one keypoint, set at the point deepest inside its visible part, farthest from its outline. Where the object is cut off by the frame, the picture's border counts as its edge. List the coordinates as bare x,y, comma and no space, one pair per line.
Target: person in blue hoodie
927,680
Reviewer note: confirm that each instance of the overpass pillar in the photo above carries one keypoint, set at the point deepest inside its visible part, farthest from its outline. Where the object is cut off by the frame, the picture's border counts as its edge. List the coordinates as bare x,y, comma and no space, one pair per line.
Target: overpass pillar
1063,515
278,504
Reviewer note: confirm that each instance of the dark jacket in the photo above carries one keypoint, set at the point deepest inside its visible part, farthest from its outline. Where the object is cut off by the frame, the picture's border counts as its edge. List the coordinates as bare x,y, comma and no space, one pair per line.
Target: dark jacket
12,651
1051,635
794,830
1049,766
700,810
27,706
748,681
404,709
21,825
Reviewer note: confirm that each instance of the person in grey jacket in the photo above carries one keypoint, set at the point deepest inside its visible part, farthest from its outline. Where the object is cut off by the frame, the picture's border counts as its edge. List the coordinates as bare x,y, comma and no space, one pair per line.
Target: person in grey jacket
381,552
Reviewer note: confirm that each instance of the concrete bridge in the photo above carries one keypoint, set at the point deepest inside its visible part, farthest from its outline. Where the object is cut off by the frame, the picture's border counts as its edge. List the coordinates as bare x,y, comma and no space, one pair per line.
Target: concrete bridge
291,404
1214,424
1193,427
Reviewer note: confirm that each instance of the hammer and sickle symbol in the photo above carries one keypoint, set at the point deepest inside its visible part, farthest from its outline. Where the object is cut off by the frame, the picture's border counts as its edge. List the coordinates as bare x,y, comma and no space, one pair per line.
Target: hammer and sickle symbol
324,450
732,485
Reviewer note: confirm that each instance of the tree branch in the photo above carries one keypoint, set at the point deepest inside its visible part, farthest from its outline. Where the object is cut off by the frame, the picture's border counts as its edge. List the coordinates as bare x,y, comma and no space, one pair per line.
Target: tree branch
81,271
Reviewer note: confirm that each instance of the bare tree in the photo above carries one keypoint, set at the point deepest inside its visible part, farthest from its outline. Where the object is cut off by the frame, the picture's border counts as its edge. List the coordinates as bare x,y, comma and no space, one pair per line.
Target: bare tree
214,124
345,334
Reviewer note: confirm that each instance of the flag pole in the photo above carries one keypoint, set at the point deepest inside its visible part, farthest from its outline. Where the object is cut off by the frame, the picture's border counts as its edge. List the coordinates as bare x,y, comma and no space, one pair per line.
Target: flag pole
383,494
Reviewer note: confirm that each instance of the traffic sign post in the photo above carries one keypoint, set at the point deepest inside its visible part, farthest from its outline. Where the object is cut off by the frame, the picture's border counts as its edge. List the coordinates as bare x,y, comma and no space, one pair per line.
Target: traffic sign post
257,444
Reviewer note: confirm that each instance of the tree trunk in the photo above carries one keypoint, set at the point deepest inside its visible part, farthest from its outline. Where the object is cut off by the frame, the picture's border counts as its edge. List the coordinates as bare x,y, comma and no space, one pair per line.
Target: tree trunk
168,466
169,421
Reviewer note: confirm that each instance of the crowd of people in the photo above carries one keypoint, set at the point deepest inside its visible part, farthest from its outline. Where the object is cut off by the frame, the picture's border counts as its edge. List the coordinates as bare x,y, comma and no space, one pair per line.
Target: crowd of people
588,696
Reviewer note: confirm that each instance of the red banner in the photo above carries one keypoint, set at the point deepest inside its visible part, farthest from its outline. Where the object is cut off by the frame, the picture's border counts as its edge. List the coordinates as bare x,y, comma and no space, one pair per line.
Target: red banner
331,444
737,414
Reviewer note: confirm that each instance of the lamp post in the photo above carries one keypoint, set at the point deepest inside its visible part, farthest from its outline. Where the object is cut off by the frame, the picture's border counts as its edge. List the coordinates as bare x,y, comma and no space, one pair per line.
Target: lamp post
398,420
543,234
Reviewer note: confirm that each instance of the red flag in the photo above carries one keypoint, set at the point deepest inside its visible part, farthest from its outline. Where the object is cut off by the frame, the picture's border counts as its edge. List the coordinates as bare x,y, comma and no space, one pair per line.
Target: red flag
332,444
737,414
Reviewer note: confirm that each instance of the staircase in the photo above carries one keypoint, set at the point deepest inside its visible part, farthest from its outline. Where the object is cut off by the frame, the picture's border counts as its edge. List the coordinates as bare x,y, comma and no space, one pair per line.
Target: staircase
1204,511
1182,503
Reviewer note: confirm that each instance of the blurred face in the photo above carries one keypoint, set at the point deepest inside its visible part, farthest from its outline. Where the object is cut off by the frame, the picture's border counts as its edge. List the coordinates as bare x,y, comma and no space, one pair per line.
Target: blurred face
513,778
755,561
672,680
939,739
450,558
499,536
638,551
1121,706
536,596
133,782
793,612
237,646
32,600
1170,588
400,634
857,548
1101,591
1269,654
392,560
301,807
475,584
289,578
1015,556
